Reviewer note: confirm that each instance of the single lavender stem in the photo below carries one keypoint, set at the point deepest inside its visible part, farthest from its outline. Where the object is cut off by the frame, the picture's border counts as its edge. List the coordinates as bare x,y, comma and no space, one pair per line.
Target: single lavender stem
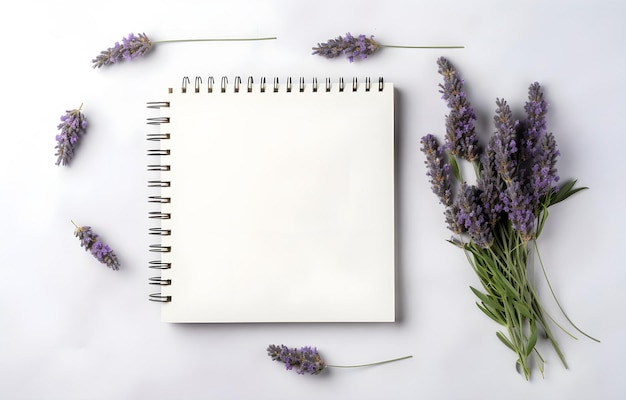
360,47
369,364
134,46
214,40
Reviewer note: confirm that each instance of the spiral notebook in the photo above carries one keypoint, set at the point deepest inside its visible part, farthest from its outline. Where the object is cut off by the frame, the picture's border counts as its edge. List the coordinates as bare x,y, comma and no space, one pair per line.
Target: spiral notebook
273,201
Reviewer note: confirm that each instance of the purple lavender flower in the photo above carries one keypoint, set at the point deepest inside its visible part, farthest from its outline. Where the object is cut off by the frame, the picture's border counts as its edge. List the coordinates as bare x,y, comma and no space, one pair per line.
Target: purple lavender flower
132,47
353,47
461,137
520,206
472,216
539,150
505,142
73,126
304,360
437,169
452,220
102,252
517,197
536,109
490,185
545,172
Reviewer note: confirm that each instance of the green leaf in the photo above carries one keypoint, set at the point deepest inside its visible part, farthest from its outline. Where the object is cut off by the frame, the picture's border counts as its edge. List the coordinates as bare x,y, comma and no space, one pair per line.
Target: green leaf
506,341
487,300
506,287
565,191
454,166
523,309
532,340
491,315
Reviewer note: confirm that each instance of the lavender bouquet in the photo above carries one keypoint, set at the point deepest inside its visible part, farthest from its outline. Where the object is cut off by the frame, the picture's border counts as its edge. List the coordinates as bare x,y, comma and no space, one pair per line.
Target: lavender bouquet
497,220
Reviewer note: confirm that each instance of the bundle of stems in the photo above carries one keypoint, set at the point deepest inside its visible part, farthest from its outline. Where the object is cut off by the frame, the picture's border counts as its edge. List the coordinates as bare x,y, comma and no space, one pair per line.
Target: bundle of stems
506,272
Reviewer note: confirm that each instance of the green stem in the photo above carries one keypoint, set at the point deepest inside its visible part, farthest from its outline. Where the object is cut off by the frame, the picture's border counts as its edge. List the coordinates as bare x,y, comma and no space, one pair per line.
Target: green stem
517,336
214,40
369,364
420,47
509,282
541,311
476,165
511,296
556,300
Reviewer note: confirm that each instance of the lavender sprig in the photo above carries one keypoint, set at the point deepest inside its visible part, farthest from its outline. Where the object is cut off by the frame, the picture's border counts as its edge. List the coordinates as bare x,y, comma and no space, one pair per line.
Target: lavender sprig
461,140
505,142
307,360
135,46
101,251
73,126
359,47
438,169
539,149
490,185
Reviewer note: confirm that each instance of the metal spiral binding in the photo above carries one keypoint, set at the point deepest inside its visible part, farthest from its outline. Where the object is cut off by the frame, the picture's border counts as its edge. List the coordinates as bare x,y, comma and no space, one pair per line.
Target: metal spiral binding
158,120
157,183
158,152
157,248
276,87
157,137
155,280
159,265
159,199
160,298
159,215
158,104
186,82
156,167
160,231
263,85
162,166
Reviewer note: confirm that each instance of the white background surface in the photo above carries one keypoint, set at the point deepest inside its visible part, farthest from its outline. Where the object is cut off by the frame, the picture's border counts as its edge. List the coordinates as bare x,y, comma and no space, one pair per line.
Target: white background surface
72,329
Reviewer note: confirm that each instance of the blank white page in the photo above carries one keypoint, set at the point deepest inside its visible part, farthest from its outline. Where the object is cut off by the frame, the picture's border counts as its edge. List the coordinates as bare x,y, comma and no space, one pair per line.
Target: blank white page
282,204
